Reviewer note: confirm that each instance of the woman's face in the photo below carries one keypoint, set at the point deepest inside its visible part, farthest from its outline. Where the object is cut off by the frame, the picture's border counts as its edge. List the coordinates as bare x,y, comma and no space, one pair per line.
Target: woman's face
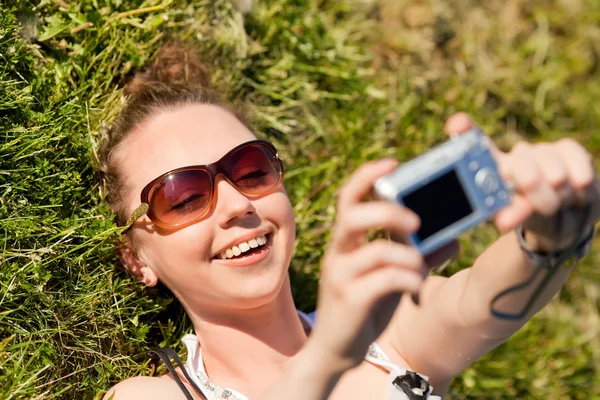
187,259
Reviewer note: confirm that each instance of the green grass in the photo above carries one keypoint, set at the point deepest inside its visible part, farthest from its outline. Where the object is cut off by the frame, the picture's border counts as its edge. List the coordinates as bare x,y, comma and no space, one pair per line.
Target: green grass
333,84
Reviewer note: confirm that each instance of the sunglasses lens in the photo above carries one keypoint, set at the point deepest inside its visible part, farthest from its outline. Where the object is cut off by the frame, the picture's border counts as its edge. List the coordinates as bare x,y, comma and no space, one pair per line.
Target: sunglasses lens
254,169
181,197
185,195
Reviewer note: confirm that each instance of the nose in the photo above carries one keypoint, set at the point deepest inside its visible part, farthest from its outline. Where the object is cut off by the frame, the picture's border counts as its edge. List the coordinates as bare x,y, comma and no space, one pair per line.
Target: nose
231,204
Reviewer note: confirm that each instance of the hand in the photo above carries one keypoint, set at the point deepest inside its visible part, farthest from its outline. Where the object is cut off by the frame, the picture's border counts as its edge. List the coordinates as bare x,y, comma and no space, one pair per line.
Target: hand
556,188
362,281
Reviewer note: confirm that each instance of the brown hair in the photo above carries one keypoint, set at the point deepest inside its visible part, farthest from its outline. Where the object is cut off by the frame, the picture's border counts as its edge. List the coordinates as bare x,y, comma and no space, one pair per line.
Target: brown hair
175,78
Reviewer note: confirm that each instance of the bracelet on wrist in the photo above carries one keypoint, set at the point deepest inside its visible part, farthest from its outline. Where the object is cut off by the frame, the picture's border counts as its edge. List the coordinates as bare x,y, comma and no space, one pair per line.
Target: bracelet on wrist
570,255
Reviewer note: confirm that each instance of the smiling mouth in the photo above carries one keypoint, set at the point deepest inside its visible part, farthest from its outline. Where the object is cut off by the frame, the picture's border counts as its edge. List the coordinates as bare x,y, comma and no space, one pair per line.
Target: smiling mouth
245,250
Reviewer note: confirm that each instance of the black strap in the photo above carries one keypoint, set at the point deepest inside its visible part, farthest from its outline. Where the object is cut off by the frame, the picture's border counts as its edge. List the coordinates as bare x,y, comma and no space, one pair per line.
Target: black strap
166,354
549,263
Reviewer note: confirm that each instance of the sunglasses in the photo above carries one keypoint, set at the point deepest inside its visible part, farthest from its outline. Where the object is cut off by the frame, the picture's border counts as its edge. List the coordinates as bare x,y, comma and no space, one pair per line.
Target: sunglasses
184,195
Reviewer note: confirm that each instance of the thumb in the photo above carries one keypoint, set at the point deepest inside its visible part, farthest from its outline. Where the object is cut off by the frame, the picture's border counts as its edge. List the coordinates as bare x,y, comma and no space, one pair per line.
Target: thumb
460,123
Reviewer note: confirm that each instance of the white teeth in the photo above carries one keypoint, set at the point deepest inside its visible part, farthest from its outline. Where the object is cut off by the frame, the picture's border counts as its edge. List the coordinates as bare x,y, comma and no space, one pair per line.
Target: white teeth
243,247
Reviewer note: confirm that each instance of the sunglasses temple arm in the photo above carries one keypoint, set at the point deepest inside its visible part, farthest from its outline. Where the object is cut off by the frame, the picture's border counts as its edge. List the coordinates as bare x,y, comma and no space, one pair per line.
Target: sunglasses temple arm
139,212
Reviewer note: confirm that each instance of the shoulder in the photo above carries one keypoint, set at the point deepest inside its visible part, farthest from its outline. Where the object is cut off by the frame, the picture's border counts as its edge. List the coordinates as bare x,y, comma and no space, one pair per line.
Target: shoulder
148,388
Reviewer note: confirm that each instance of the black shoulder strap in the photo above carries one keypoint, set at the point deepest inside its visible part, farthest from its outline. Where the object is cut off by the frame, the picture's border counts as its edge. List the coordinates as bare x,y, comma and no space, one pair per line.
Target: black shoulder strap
165,355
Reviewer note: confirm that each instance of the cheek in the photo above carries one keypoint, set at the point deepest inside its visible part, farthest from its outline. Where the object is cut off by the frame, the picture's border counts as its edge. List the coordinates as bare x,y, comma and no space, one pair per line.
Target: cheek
171,256
176,257
279,210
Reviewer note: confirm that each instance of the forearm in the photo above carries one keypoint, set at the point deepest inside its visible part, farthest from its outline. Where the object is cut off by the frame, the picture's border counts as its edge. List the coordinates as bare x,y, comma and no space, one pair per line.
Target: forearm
503,265
455,312
311,376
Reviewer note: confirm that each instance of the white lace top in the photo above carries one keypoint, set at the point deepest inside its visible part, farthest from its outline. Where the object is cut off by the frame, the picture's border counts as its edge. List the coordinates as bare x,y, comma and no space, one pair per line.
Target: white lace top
212,391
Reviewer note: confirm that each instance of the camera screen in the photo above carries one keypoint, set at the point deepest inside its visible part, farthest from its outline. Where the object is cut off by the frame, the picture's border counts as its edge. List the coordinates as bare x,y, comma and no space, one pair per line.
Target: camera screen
439,203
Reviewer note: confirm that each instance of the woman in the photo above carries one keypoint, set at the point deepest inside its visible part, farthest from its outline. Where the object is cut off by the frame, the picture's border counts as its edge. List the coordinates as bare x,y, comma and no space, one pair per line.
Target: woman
218,231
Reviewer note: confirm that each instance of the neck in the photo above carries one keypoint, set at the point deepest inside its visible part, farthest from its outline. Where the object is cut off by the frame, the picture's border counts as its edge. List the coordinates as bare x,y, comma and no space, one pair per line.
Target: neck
236,344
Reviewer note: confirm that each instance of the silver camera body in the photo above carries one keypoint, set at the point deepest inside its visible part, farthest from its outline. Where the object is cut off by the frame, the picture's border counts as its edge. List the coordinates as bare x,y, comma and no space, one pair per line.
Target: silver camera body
452,187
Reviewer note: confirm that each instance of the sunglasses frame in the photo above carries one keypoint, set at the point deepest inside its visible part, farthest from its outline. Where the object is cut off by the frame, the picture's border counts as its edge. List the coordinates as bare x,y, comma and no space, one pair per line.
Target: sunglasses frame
213,170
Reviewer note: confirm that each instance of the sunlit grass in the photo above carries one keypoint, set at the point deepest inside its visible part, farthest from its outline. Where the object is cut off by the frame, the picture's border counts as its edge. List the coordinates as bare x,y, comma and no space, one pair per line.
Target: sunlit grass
332,84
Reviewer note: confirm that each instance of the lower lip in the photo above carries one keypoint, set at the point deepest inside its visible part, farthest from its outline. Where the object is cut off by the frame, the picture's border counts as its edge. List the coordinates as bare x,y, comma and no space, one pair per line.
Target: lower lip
250,259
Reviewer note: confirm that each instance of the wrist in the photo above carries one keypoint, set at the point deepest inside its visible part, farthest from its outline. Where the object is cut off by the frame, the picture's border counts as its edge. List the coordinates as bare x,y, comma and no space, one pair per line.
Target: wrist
539,244
324,361
543,254
312,374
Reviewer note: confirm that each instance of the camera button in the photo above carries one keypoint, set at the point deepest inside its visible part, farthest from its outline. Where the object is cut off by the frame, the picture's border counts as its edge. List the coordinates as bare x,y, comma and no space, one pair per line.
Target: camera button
489,201
487,180
473,166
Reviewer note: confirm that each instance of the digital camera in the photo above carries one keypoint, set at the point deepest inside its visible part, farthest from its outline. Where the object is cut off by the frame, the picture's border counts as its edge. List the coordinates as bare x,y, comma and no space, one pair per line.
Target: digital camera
452,187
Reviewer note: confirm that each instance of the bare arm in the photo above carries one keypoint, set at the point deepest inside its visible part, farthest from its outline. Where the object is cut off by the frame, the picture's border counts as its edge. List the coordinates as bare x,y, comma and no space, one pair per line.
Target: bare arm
552,180
454,313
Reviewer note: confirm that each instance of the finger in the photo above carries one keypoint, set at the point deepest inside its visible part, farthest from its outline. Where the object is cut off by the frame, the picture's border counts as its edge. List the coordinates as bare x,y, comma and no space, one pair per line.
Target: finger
367,291
554,176
530,181
377,254
355,221
458,123
551,165
554,170
513,215
578,163
461,122
580,171
360,183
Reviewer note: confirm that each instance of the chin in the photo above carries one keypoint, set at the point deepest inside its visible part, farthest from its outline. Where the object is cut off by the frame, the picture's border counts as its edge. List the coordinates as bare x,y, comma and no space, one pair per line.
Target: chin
255,293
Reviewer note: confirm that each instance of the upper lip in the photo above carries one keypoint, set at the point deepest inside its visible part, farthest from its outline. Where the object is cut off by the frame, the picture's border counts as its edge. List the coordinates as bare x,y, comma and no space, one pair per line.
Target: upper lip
242,239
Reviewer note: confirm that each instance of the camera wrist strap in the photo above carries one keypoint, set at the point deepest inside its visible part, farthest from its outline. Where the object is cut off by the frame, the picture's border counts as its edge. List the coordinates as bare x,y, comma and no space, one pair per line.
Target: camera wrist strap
550,263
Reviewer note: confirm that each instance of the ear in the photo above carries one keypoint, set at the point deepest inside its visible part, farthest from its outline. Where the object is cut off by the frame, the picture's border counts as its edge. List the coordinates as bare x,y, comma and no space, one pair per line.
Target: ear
135,266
